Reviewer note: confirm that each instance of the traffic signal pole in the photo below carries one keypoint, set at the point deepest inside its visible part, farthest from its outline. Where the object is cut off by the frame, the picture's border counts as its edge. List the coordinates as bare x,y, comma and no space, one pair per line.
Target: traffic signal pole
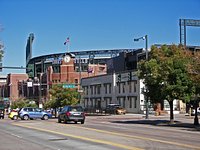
6,67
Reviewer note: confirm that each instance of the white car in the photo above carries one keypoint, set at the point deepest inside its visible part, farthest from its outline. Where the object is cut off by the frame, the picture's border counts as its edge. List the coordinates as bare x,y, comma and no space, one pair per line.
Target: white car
193,111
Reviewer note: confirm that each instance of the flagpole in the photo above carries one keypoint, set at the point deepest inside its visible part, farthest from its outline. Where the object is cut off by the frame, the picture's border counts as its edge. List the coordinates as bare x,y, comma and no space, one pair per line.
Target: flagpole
68,44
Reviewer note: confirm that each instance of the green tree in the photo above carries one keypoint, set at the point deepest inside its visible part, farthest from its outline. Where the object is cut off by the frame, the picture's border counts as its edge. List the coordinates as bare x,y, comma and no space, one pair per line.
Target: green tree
165,75
1,50
61,96
20,103
194,74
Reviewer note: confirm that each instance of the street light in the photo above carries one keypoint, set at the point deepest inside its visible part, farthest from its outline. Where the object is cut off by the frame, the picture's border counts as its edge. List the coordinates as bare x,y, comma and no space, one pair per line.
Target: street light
146,43
146,90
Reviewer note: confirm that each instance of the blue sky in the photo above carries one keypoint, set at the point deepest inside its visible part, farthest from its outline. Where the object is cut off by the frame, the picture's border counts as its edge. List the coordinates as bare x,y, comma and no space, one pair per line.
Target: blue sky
91,25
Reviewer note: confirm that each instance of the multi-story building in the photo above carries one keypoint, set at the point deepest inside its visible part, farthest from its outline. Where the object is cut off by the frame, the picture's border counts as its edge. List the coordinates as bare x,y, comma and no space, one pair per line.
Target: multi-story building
119,88
10,89
3,80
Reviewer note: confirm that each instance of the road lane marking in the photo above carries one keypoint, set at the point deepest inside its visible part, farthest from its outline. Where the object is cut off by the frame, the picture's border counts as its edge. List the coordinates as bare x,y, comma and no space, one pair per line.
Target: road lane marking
82,138
139,137
16,135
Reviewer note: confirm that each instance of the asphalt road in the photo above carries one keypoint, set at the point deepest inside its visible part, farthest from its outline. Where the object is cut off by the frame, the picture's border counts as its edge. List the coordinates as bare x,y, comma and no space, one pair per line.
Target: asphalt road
100,132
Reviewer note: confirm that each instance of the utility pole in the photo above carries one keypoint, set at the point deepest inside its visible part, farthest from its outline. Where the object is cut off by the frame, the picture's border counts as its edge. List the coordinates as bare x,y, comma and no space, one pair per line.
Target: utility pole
146,89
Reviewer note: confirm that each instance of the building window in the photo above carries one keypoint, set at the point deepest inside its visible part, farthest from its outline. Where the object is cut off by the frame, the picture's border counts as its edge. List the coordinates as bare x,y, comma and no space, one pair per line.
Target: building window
135,86
131,102
98,88
87,102
119,87
123,87
135,100
91,101
107,87
92,90
130,86
85,88
56,68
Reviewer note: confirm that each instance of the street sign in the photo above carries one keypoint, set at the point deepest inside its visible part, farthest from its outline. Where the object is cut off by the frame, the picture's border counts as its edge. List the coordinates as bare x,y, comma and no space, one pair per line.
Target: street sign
29,84
68,86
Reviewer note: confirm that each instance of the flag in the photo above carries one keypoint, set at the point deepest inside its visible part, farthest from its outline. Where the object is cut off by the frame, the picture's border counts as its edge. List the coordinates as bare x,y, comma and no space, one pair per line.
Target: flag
90,70
67,41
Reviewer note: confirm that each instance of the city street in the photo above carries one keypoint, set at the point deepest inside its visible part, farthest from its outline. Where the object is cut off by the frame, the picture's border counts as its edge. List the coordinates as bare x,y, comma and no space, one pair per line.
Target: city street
101,132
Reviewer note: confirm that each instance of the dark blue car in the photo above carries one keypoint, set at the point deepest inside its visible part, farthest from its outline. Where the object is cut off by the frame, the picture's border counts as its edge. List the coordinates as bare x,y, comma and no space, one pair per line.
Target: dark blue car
33,113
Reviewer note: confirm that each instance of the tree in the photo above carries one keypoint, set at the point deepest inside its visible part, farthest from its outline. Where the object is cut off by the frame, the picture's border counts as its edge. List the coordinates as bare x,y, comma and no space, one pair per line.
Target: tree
61,96
1,50
20,103
165,75
1,46
194,74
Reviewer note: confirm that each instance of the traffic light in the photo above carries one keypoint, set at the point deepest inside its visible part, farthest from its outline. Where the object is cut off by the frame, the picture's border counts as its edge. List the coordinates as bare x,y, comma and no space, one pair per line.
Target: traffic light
129,76
0,67
119,77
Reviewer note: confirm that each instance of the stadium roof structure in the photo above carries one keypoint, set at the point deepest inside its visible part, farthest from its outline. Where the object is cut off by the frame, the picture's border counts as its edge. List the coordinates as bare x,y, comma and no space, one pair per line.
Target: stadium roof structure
37,65
90,54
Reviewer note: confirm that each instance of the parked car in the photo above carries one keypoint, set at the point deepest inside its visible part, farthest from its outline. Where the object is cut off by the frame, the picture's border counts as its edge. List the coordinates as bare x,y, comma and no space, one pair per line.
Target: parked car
33,113
115,109
13,115
2,113
72,113
2,110
193,111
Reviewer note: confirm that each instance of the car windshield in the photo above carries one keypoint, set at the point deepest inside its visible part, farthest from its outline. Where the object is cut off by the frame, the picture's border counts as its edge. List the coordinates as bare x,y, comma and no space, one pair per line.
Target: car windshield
76,109
119,107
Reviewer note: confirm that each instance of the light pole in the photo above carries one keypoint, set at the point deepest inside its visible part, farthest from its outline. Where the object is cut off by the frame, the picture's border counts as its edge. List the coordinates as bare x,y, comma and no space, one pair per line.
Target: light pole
146,50
146,43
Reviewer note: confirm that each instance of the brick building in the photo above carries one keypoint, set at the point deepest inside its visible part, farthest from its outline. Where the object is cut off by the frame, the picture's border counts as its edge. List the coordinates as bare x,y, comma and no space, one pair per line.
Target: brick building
10,88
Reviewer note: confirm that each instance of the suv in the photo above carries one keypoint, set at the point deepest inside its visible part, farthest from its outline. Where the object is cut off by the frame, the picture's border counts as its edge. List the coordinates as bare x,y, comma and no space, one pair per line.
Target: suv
33,113
115,109
72,113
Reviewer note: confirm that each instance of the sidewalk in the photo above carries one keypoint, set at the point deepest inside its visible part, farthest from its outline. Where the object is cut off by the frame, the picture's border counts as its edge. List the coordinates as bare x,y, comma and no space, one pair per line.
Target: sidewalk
181,121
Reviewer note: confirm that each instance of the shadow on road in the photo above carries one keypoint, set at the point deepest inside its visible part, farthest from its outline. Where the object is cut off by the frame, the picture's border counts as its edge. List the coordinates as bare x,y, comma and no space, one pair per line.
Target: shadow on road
164,123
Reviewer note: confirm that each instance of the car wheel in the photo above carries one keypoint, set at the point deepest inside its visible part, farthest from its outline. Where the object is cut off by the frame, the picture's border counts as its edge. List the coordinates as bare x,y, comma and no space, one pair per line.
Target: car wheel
25,117
45,117
83,121
65,119
75,122
15,117
59,120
